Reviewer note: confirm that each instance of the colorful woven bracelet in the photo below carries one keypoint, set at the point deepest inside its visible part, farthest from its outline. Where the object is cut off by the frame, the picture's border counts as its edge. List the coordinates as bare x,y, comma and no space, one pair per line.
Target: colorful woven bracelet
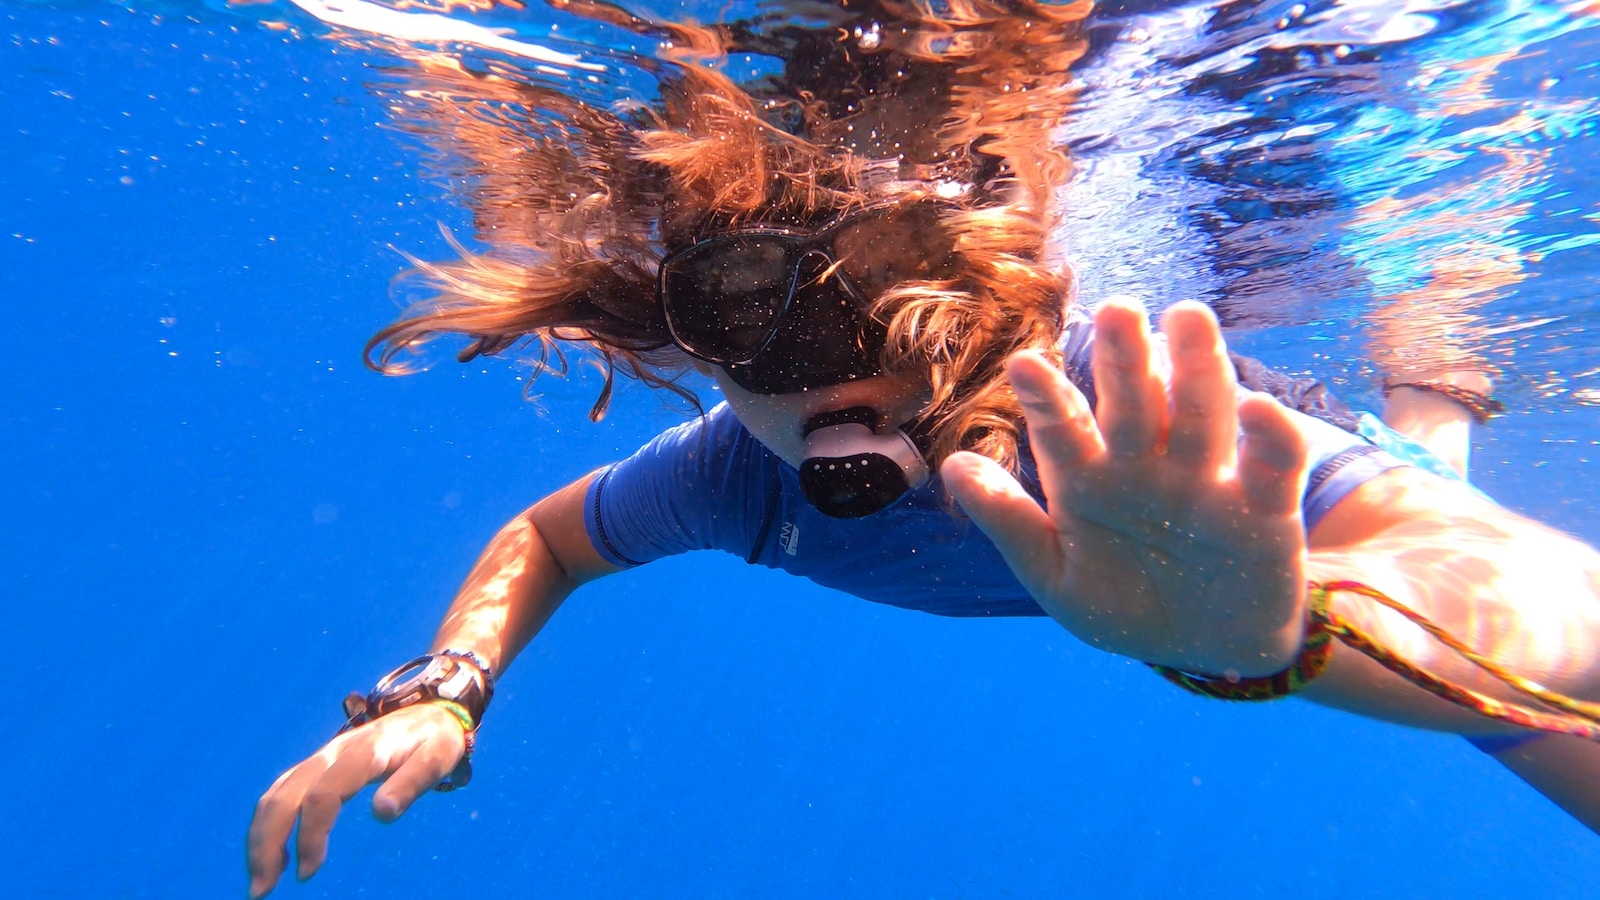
462,773
1551,711
1312,660
462,714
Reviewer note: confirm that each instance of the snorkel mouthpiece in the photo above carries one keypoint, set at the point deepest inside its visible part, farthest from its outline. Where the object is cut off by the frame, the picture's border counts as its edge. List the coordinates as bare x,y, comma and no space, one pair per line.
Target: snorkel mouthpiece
849,471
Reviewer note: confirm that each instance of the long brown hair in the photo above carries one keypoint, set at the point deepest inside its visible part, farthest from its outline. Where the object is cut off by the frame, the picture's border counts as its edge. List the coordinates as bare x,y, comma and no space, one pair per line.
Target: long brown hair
577,204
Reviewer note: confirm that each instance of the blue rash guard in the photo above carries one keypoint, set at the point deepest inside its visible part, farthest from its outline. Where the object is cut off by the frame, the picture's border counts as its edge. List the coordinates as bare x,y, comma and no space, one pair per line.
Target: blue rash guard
710,485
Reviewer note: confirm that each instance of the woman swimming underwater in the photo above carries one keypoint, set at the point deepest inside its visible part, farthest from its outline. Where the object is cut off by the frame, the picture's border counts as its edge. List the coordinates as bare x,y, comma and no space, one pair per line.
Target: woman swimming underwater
856,250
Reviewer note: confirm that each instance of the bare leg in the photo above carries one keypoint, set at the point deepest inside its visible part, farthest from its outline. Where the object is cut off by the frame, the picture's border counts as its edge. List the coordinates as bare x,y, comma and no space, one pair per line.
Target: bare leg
1435,420
1563,768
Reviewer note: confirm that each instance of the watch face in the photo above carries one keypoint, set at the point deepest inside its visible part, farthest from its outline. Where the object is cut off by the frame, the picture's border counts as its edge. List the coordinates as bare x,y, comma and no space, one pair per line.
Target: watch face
400,676
404,686
431,678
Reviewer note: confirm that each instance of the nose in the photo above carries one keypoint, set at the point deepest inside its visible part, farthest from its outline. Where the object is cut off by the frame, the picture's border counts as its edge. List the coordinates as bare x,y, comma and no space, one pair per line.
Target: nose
815,268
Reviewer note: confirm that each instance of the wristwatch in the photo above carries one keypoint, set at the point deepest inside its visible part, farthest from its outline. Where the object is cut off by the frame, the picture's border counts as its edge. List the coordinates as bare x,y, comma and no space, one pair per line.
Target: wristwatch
460,682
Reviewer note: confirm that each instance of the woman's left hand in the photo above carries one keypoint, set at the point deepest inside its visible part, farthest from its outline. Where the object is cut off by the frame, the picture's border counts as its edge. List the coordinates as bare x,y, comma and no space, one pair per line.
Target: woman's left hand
1168,538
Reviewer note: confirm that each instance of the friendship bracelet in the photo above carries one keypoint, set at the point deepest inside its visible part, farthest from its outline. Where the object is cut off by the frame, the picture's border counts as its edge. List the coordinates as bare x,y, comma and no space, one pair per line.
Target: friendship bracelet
462,773
1563,715
1555,713
1481,406
1312,660
462,714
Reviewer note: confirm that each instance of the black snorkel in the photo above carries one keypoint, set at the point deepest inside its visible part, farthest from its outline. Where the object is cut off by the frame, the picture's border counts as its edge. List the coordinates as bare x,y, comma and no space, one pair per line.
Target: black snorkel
851,471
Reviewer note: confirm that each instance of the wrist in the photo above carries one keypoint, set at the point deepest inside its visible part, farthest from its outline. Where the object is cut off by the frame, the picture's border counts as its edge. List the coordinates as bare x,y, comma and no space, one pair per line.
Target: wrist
480,660
1257,640
1430,401
459,678
461,714
1474,379
459,682
1312,648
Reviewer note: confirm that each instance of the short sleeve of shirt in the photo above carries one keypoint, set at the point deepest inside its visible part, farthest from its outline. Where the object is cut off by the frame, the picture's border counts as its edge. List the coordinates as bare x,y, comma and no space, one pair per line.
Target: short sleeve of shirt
698,486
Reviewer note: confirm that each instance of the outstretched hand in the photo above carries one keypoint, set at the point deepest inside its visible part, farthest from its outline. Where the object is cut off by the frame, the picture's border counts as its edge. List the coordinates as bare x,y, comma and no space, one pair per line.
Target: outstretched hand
1168,538
409,750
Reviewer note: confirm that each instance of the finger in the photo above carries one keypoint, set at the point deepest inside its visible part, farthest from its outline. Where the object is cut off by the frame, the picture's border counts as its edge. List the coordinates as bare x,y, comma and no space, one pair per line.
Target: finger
1131,402
1272,460
1203,431
354,769
1013,520
267,842
1062,432
423,769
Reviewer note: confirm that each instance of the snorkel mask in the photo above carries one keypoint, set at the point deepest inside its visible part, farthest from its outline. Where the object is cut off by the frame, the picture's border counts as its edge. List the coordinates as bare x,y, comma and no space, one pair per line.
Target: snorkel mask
781,311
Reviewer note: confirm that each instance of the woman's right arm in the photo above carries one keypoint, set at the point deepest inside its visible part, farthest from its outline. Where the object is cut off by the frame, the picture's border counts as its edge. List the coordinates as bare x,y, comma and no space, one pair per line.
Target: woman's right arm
529,567
524,574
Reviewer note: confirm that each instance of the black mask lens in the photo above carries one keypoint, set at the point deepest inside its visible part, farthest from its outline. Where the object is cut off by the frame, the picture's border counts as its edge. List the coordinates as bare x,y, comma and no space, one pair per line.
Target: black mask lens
827,337
785,311
724,299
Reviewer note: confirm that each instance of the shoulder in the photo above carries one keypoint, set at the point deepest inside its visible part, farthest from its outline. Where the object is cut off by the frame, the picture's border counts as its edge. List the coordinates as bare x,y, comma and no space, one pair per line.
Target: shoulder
704,463
697,486
714,438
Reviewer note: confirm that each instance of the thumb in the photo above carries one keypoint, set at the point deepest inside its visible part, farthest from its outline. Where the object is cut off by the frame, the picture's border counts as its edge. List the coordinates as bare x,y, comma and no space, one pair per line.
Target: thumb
430,761
1013,520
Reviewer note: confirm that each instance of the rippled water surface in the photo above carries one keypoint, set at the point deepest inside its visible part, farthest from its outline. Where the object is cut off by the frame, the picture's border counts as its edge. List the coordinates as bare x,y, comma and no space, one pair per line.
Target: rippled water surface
1405,178
218,522
1411,176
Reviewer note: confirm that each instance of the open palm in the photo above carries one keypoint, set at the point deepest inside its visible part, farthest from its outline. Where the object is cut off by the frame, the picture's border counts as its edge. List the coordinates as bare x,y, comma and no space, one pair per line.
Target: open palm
1167,537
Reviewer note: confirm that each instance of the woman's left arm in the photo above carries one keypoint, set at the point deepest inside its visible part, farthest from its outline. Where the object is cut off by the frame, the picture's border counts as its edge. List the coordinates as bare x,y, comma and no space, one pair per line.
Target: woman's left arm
1172,534
1523,595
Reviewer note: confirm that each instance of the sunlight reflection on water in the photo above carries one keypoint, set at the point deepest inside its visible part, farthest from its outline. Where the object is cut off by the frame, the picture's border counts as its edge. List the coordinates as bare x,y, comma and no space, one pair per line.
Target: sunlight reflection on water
1409,173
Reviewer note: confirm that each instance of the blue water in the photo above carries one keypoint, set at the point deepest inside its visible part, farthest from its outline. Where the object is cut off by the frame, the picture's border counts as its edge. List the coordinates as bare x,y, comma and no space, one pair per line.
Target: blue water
218,522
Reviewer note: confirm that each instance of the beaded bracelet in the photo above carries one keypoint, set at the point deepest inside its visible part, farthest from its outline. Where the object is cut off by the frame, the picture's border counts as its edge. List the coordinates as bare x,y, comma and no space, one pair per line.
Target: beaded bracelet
462,714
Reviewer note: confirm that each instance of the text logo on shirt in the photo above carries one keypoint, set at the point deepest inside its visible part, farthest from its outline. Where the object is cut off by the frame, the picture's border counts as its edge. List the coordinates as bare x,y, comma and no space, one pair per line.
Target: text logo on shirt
789,538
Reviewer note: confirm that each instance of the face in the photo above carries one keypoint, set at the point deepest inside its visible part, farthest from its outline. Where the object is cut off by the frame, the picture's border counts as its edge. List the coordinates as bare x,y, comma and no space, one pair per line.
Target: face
778,421
777,317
